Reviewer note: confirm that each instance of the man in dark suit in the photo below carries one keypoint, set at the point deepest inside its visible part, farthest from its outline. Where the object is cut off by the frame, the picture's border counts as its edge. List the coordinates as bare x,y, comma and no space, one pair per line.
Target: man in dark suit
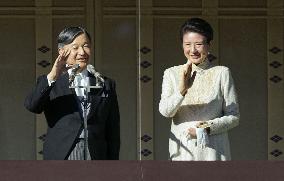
64,107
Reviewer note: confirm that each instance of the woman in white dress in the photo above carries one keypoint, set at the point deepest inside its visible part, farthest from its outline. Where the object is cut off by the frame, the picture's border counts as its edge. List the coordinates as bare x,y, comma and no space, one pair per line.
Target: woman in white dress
200,98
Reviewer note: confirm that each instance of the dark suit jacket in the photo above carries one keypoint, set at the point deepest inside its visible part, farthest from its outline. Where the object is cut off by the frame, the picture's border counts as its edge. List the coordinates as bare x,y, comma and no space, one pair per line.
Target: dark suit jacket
65,123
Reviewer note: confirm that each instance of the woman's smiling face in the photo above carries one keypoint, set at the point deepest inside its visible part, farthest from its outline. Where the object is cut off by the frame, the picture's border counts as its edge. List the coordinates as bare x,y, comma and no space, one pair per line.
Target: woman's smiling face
195,47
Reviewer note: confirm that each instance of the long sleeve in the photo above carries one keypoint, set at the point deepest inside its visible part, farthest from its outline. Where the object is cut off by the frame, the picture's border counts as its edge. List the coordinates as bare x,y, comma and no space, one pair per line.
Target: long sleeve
39,96
171,98
231,115
113,127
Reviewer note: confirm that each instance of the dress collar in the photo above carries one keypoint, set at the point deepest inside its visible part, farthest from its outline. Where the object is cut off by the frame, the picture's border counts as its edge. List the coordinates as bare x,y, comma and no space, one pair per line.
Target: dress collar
200,67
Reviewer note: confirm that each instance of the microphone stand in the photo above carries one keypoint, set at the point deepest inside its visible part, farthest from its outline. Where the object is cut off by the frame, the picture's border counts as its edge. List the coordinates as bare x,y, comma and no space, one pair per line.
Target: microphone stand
86,103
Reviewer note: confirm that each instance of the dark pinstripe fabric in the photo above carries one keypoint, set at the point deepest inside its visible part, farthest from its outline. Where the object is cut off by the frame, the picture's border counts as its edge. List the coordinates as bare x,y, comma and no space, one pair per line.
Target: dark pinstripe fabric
78,151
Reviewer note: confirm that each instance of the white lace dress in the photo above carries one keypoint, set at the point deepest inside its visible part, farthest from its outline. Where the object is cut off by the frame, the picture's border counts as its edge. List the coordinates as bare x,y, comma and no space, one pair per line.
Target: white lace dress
212,98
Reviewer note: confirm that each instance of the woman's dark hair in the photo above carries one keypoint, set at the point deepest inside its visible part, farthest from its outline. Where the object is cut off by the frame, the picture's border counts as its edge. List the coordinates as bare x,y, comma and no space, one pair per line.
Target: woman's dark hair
67,35
197,25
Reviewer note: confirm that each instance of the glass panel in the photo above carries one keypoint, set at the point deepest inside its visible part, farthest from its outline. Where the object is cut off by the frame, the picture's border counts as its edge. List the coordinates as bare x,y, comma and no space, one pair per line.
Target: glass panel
17,77
234,41
236,56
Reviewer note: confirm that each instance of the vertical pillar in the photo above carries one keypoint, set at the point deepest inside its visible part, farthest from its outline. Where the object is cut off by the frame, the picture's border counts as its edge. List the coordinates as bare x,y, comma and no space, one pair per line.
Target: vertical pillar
210,13
43,29
275,80
98,30
90,21
145,114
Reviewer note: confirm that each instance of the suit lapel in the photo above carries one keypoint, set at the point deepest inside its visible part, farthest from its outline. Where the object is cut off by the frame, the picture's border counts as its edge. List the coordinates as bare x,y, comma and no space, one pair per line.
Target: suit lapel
95,101
94,96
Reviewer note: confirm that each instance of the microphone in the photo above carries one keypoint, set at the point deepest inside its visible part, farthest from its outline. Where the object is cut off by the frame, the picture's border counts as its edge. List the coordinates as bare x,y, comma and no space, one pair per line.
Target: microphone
73,72
93,71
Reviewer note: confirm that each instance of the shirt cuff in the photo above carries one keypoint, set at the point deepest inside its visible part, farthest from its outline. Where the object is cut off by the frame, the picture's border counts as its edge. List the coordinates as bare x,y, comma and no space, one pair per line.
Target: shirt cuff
50,82
179,96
